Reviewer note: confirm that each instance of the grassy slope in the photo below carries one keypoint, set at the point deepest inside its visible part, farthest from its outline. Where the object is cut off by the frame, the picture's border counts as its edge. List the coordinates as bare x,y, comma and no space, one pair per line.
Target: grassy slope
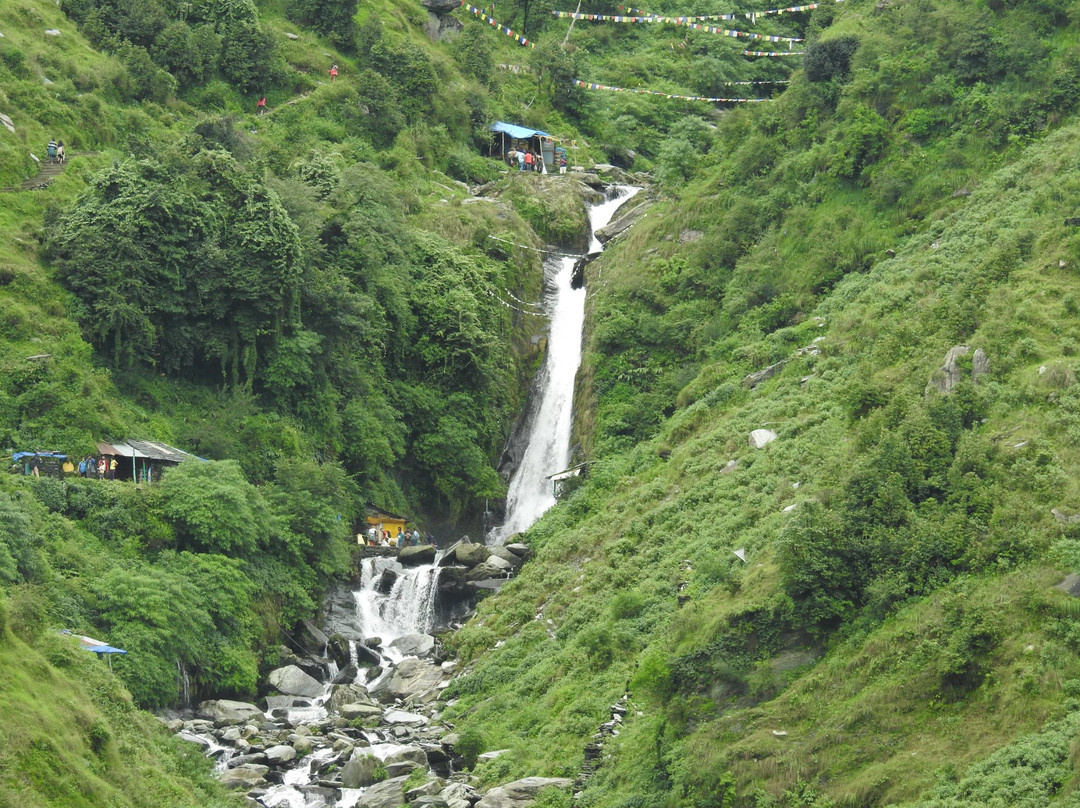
72,737
636,581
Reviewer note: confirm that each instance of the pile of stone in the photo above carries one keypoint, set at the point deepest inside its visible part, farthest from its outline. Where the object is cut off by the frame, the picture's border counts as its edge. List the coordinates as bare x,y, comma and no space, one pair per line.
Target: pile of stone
469,568
320,740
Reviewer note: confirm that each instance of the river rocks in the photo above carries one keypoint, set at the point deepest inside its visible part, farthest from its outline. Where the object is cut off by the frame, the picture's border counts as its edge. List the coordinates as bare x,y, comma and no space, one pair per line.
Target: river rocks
480,572
628,215
520,550
417,645
405,760
350,712
387,794
415,556
402,717
224,712
338,649
513,559
521,793
292,681
409,677
359,772
347,694
244,776
469,555
276,755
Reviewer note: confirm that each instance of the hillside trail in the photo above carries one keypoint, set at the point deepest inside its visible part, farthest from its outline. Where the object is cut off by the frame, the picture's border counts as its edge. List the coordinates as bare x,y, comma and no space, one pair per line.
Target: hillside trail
48,170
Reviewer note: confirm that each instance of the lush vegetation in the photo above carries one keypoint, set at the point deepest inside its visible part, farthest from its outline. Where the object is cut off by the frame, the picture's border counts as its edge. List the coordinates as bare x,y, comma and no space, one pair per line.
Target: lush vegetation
305,299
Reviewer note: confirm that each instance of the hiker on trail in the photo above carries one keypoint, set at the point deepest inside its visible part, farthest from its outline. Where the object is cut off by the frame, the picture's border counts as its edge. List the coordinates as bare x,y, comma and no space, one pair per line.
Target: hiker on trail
521,159
333,72
529,160
261,105
60,152
51,150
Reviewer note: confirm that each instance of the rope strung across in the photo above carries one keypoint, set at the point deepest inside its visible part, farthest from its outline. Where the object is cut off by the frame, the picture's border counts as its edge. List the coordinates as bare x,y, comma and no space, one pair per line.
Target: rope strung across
574,15
535,249
750,15
592,86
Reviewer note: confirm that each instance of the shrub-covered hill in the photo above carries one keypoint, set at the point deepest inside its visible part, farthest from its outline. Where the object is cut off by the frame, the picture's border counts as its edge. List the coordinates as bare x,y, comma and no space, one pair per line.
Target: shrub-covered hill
894,636
304,298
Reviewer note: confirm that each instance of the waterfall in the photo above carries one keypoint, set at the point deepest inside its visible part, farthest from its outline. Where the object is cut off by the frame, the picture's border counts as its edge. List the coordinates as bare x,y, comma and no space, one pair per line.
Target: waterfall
407,608
549,413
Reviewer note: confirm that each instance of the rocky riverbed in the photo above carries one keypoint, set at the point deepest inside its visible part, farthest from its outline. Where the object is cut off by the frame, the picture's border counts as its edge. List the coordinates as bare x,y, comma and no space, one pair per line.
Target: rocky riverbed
368,732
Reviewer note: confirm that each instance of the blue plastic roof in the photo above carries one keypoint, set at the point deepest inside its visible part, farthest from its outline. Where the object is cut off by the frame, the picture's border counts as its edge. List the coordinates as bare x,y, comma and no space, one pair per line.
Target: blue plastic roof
514,130
17,456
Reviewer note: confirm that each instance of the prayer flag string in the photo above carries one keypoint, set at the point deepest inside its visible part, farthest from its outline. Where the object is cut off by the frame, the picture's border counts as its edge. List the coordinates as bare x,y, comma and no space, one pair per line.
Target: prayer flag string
750,15
479,12
593,86
687,21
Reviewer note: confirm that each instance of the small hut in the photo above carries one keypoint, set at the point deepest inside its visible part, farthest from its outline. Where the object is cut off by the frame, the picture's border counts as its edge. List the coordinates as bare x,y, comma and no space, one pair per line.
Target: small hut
384,521
143,461
507,137
48,464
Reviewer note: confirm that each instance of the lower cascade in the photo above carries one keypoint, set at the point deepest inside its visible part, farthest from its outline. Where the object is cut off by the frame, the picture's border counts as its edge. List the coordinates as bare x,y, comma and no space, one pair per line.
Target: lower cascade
358,703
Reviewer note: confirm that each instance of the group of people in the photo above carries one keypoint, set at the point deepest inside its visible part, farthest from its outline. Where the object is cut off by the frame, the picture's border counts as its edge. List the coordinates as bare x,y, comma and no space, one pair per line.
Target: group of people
526,160
383,538
56,151
100,468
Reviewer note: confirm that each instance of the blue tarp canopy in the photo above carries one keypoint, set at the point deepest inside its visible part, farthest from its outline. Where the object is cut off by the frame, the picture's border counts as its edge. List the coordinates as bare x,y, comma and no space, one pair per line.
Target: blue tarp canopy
90,644
519,132
17,456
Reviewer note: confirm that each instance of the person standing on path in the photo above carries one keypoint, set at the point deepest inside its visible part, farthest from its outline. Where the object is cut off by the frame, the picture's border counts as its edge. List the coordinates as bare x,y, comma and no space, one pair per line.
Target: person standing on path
261,105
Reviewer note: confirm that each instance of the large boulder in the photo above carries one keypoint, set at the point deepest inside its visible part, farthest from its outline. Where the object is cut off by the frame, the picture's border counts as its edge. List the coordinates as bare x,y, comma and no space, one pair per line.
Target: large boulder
405,760
292,681
470,555
351,712
416,556
359,772
489,569
279,754
347,694
387,794
628,215
441,6
521,793
507,555
459,795
226,713
760,438
409,677
246,777
520,550
338,649
417,645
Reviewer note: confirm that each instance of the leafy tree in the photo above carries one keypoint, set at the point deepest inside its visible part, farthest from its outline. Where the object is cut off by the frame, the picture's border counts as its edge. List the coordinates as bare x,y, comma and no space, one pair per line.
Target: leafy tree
214,509
335,19
830,58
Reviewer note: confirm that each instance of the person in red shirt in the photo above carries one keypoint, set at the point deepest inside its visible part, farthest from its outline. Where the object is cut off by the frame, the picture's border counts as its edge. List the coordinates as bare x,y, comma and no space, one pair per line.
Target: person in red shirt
261,105
333,72
529,160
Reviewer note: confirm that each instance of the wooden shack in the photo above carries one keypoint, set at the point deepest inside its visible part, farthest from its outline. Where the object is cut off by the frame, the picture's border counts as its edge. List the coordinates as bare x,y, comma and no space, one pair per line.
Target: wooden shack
507,137
143,461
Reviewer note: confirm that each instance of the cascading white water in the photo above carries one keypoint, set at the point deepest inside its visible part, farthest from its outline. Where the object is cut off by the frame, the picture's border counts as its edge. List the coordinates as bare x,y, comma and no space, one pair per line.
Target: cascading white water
409,607
547,448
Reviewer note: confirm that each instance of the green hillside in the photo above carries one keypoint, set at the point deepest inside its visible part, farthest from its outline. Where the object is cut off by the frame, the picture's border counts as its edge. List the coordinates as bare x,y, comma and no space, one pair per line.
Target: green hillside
311,299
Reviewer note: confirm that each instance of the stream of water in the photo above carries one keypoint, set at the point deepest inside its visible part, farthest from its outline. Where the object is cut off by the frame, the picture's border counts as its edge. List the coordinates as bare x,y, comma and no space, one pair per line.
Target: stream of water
550,409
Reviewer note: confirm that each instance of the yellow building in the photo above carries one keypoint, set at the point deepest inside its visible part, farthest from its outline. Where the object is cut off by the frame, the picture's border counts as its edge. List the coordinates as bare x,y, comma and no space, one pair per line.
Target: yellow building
384,521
